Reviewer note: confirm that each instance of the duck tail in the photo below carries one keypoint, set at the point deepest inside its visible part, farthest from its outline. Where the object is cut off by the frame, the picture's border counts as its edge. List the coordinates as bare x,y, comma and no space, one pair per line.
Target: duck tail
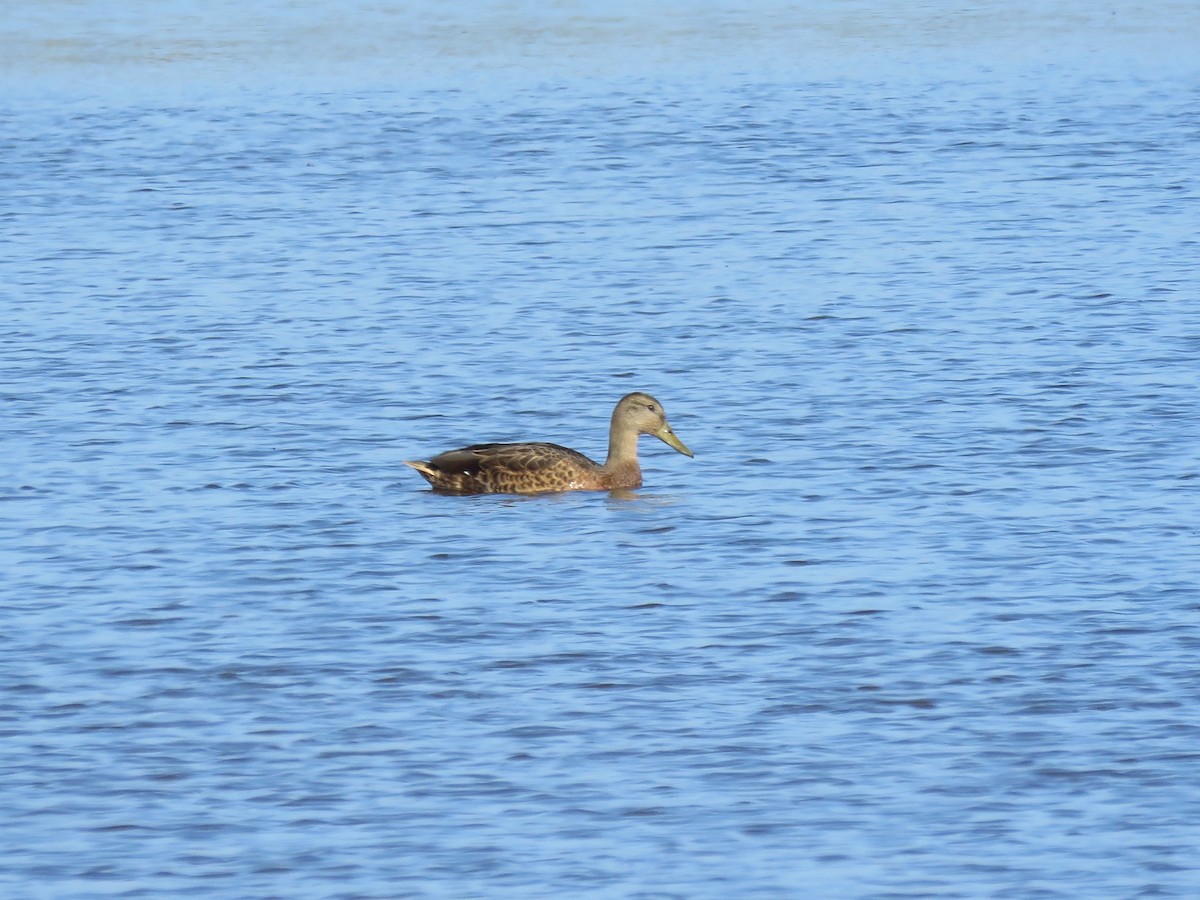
423,468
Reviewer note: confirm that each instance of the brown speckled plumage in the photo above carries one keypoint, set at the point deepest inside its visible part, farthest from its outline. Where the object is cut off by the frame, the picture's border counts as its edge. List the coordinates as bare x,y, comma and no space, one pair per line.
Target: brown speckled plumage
536,468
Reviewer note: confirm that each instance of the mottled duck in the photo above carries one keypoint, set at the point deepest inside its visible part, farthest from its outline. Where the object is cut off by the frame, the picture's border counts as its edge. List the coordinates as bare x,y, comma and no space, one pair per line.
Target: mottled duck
537,468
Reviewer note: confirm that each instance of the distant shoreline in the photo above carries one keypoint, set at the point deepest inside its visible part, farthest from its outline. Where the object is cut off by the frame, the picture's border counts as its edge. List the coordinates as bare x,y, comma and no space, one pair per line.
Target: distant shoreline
331,44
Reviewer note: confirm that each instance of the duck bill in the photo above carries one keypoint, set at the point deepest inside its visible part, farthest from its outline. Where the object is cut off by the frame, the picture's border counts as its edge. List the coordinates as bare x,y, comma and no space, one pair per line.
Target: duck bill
667,436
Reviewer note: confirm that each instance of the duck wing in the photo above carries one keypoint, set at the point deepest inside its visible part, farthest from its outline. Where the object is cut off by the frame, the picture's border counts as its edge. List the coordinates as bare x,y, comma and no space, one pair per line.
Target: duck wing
515,458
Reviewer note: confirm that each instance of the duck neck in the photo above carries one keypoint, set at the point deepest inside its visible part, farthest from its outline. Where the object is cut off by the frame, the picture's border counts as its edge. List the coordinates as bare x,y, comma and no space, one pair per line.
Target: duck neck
622,464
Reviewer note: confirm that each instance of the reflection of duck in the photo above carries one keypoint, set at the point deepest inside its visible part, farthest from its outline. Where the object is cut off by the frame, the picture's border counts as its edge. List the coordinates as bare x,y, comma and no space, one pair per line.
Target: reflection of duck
535,468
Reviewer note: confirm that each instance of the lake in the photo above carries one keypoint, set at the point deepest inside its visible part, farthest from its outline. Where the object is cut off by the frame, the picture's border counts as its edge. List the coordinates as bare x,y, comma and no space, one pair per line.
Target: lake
917,285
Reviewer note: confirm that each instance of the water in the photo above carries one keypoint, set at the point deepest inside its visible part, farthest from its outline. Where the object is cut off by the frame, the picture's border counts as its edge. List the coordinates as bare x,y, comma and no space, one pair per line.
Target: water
920,618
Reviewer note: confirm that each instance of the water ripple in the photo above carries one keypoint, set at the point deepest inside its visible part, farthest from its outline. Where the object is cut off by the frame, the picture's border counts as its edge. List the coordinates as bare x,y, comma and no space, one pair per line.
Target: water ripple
919,618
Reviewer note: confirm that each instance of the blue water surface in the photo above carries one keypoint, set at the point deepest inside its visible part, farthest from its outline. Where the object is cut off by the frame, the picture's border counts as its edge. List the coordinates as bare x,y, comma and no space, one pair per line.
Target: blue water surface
919,620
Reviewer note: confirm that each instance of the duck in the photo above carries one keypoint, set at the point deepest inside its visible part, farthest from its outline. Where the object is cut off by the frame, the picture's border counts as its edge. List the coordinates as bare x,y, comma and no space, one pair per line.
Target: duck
536,468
